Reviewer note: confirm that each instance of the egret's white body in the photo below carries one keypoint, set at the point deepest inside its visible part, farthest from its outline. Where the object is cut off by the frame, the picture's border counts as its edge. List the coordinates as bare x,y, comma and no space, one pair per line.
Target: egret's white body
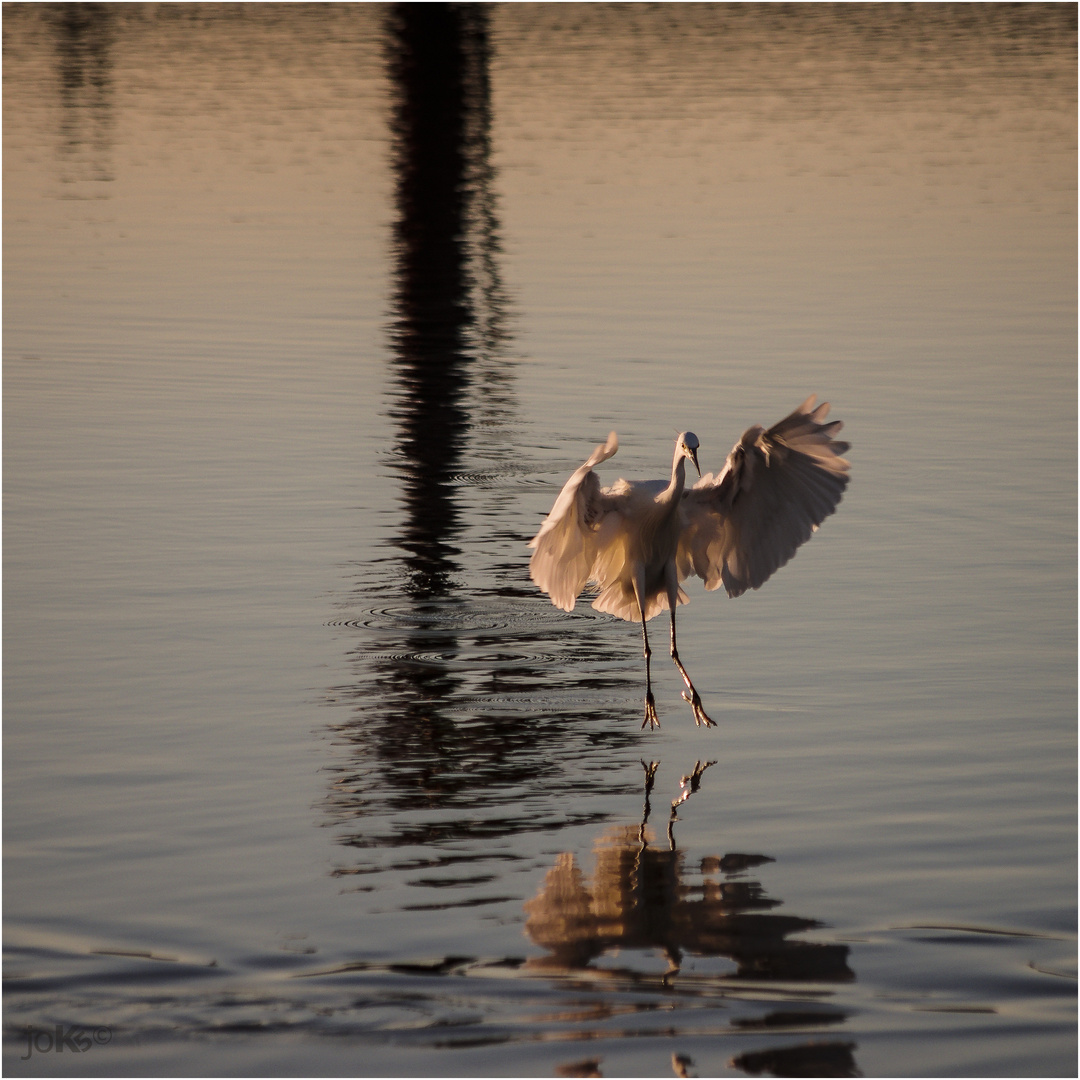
637,541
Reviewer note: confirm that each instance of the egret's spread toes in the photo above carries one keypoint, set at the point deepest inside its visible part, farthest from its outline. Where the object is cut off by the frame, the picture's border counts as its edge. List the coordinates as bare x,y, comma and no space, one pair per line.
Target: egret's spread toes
701,717
650,713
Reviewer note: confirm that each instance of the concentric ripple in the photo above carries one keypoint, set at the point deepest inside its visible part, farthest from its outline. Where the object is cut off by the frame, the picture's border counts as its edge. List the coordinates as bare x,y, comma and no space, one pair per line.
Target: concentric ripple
459,619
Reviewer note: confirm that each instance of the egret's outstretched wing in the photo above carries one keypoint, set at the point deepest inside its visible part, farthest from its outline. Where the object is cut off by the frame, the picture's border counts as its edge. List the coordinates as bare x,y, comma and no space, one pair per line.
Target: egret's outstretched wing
776,488
566,544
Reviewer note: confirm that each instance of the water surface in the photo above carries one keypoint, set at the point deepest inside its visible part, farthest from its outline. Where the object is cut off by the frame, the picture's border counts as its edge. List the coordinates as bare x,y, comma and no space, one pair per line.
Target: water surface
309,312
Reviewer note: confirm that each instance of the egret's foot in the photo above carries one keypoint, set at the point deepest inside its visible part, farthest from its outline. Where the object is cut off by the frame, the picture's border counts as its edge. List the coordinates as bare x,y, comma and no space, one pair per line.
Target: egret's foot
650,712
701,717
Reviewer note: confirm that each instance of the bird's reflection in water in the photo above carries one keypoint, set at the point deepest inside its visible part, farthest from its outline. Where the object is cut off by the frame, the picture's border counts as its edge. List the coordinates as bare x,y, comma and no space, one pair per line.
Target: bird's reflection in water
647,897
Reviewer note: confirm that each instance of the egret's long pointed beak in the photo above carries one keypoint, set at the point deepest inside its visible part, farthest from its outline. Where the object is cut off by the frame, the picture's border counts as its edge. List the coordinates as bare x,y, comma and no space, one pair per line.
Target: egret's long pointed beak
693,458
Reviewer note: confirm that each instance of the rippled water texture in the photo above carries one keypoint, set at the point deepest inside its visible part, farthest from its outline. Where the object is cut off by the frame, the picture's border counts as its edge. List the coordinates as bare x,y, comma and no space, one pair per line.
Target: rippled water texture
309,311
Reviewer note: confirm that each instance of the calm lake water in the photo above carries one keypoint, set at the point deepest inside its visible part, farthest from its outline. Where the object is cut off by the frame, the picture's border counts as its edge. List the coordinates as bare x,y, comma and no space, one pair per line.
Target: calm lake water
309,311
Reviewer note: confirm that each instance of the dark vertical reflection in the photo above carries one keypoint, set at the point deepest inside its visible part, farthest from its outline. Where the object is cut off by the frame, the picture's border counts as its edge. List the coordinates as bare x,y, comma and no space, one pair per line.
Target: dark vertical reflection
438,53
447,643
437,57
84,39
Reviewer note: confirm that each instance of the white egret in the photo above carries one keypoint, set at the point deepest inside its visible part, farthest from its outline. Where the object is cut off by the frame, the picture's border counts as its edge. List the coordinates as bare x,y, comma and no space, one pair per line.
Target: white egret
635,542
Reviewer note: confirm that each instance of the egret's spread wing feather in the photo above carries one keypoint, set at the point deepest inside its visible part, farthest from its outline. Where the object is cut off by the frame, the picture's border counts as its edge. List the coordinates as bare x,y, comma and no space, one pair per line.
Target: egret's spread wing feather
774,491
566,545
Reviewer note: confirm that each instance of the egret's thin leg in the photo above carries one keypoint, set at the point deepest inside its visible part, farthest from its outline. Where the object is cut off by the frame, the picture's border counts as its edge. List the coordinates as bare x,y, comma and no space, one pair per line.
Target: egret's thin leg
701,718
650,702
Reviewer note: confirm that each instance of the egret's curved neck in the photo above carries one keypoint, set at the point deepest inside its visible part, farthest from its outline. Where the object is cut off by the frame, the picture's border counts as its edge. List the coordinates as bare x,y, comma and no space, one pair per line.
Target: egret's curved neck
678,478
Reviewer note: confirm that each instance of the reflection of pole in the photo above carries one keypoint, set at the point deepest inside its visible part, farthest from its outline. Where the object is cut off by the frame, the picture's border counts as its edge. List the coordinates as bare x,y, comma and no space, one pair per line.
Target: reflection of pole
83,43
439,72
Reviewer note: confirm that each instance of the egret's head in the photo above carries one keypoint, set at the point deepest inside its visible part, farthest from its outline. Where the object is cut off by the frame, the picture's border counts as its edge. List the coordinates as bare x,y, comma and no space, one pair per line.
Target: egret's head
688,444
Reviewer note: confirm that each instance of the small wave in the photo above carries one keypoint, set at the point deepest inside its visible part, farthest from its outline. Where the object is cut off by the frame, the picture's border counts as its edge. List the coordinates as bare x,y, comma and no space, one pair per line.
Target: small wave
465,659
476,479
408,617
